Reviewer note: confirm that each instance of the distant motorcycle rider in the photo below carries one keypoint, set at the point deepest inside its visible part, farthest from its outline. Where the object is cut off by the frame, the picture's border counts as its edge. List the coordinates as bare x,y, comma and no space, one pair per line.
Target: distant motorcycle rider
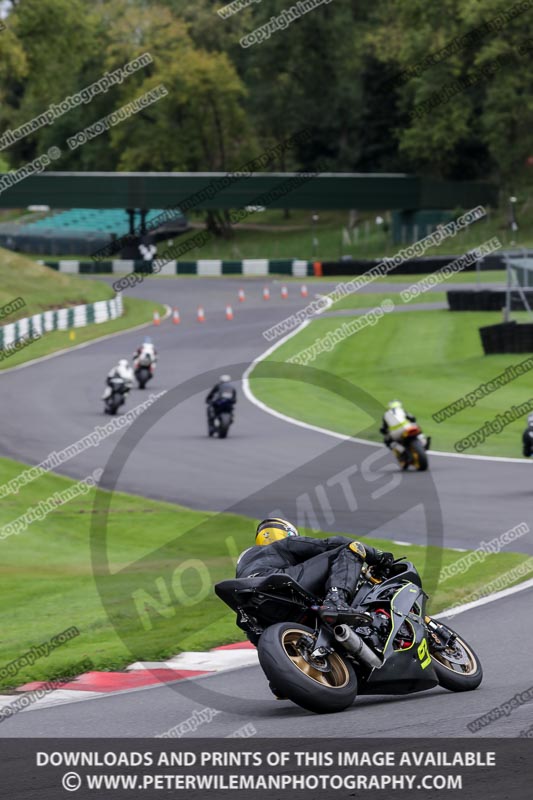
123,371
223,394
327,568
395,419
145,355
527,438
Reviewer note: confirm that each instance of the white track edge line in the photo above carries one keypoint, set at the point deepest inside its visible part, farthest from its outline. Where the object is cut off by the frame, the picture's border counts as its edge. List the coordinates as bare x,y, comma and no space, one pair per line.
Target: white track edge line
344,437
451,612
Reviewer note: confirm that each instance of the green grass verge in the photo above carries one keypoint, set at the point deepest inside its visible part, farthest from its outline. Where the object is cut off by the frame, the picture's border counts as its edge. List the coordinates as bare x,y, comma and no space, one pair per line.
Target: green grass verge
426,359
135,313
43,288
162,558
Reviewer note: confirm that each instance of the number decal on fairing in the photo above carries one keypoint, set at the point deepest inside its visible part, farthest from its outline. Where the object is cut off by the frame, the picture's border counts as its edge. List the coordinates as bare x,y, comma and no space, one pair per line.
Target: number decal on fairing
423,654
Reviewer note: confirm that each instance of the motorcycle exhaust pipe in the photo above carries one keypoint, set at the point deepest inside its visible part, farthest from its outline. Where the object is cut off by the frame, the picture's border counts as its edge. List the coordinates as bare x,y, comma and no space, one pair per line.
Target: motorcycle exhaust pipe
356,646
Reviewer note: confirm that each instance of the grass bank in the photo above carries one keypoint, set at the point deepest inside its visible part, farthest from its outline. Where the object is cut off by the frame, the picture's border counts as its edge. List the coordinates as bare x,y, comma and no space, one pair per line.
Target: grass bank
426,359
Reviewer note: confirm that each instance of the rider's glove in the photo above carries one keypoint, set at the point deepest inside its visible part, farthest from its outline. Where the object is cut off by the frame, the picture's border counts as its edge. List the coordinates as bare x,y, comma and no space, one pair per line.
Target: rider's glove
385,561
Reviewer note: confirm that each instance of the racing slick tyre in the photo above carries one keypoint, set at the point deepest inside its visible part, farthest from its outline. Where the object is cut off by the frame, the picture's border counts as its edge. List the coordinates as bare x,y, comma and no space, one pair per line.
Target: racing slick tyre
223,426
419,456
322,685
457,667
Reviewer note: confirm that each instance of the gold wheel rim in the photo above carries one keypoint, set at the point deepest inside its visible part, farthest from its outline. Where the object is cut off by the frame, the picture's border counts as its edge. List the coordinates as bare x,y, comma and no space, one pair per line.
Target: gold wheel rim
451,666
338,676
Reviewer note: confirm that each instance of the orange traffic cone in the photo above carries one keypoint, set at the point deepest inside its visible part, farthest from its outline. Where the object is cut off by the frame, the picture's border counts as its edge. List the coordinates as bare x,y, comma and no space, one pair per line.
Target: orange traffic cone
201,314
303,291
242,296
229,312
176,317
266,293
284,292
157,318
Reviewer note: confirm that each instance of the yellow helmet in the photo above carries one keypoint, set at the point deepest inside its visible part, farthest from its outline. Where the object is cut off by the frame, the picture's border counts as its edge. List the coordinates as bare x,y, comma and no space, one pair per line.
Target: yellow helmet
273,529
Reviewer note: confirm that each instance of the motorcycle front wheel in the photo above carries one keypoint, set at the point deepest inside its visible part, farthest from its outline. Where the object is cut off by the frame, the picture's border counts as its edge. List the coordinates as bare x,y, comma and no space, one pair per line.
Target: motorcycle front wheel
457,667
322,685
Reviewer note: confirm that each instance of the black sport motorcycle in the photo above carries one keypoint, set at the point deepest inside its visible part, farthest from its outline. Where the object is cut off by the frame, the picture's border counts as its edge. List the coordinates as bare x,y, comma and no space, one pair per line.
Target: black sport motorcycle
115,395
322,667
143,371
219,417
143,375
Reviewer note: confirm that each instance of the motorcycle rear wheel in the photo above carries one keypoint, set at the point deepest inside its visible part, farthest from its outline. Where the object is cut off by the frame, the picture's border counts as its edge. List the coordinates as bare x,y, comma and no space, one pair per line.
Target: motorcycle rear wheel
225,422
458,668
419,456
322,685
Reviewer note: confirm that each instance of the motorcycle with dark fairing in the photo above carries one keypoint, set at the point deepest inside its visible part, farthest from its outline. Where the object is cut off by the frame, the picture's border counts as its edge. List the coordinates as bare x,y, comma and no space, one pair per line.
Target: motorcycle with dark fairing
220,417
393,648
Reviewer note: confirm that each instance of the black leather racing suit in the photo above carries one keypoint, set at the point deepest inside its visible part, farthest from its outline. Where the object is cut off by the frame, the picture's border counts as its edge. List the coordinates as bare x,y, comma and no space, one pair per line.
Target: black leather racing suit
316,564
221,393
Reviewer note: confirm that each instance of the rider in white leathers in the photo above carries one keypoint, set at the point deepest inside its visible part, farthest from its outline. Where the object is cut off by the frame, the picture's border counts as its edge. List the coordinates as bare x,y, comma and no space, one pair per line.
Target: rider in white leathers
145,355
395,420
121,370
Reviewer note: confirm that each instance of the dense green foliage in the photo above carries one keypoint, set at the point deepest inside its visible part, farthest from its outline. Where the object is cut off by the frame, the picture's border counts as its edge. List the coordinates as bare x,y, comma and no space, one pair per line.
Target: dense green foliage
333,71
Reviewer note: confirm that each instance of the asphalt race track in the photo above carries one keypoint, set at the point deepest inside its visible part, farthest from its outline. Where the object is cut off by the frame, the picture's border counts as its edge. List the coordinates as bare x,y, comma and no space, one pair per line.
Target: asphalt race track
268,464
242,696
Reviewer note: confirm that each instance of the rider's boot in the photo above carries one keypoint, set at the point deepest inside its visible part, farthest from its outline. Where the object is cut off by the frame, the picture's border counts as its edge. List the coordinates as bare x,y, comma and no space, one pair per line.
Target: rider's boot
336,608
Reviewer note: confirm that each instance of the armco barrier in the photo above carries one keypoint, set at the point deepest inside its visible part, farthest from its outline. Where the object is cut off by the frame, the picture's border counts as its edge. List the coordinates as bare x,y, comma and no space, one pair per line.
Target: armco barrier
60,320
485,299
507,337
414,266
206,267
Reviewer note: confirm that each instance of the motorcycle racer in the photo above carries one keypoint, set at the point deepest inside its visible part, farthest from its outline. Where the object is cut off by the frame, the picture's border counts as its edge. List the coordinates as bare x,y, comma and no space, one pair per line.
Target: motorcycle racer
527,438
145,355
224,394
329,566
121,370
394,422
